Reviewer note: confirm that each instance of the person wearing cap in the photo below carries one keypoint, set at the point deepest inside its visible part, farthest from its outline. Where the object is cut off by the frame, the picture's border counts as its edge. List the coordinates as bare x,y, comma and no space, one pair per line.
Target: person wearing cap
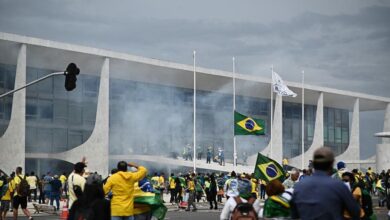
76,181
55,193
121,184
320,196
341,168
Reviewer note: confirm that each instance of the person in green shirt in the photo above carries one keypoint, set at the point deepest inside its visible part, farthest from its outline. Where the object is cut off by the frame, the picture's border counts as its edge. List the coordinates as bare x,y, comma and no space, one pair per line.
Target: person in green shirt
278,202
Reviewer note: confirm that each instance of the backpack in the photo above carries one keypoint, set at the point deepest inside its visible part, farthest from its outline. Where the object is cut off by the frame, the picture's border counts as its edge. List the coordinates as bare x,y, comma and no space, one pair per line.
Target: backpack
366,202
244,211
23,188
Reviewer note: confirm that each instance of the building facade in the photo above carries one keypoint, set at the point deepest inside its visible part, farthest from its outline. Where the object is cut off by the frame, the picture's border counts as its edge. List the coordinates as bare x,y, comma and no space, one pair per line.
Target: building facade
126,105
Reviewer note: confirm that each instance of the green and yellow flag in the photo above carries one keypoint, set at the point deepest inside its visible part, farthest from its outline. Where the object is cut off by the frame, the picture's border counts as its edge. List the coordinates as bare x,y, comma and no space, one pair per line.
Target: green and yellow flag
268,169
244,125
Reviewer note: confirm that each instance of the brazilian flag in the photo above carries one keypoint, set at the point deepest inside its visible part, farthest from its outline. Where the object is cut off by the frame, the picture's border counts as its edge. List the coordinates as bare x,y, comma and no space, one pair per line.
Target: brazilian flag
244,125
148,202
268,169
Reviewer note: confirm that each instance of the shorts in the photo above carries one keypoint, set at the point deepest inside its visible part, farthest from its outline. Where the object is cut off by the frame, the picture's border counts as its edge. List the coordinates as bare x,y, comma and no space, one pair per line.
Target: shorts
4,205
19,200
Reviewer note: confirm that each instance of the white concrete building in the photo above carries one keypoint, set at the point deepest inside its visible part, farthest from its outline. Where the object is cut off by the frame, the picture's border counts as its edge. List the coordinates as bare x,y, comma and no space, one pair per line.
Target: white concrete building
130,107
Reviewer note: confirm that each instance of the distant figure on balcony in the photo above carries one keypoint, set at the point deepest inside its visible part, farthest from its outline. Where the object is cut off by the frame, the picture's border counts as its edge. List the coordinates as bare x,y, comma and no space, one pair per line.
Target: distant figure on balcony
209,155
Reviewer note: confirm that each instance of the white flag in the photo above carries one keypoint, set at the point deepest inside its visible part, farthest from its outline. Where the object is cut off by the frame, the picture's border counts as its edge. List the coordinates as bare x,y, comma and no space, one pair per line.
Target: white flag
279,86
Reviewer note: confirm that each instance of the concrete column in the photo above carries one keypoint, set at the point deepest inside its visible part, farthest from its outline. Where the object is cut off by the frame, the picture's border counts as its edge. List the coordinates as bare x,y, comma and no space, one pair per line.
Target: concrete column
353,151
383,149
318,139
96,147
13,141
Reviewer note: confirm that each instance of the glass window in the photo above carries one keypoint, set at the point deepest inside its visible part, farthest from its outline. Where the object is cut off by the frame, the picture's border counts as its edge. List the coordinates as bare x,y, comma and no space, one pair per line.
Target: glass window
60,139
89,112
45,86
345,135
75,138
59,87
43,140
31,109
91,85
60,111
45,110
74,114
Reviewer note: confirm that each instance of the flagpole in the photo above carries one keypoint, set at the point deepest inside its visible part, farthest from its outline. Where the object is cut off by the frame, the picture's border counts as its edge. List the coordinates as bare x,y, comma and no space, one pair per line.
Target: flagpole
234,109
194,156
303,120
272,108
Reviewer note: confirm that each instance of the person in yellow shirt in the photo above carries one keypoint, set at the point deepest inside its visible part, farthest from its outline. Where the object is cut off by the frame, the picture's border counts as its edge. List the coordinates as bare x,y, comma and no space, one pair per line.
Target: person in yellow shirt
161,184
18,200
5,199
172,186
191,191
254,187
63,181
32,182
121,184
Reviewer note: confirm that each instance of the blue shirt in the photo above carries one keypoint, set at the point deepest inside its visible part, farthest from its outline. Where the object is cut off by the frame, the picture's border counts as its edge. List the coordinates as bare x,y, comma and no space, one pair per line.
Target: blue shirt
321,197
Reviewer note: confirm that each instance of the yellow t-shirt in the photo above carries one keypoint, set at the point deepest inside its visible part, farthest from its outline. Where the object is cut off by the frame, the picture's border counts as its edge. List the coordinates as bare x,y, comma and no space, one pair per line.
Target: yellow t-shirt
63,179
253,185
7,195
14,182
191,185
172,183
161,181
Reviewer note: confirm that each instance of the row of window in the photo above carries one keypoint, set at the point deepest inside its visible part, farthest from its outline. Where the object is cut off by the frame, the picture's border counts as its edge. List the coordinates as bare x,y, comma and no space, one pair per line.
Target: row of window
66,119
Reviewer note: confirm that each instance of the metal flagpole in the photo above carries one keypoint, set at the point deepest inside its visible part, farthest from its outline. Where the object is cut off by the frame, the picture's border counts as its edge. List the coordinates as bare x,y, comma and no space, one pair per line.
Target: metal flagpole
234,109
272,107
194,157
303,120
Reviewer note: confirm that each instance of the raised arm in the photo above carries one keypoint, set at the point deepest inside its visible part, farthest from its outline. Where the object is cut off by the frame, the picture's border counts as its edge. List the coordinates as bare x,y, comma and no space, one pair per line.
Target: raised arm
141,171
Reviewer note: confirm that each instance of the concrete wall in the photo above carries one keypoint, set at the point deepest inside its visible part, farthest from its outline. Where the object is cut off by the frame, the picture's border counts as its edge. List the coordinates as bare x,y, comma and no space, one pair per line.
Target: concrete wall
96,147
12,143
383,149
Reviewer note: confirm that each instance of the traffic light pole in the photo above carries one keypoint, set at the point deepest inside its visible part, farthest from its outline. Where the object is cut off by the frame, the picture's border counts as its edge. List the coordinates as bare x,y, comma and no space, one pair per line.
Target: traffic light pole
31,83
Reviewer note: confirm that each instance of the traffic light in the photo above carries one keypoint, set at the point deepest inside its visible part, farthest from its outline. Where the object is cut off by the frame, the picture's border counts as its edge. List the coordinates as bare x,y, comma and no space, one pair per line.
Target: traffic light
70,76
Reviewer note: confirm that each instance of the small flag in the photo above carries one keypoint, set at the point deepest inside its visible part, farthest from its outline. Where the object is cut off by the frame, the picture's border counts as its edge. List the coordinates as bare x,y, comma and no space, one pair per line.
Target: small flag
268,169
280,88
244,125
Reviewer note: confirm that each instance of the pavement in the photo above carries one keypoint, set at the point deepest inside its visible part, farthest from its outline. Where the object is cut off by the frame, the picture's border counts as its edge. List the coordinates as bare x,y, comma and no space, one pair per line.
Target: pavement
174,212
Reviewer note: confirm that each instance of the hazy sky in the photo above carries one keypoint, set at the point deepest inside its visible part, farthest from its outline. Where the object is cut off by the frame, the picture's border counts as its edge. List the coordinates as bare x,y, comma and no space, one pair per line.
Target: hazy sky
340,44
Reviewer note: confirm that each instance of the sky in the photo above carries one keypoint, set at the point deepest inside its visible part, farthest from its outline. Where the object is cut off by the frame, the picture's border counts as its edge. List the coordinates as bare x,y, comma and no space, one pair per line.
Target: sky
339,44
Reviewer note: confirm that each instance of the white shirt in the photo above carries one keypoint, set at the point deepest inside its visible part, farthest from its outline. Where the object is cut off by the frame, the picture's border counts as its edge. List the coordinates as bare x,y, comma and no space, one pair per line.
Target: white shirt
231,204
231,187
74,179
32,181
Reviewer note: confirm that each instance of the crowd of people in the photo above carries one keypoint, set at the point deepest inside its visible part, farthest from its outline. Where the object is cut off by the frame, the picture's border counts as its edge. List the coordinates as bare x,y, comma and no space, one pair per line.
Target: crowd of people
325,193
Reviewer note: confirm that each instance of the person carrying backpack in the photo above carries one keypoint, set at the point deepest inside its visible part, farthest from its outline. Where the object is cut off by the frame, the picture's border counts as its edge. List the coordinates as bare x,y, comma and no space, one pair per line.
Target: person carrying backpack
243,206
5,196
19,190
